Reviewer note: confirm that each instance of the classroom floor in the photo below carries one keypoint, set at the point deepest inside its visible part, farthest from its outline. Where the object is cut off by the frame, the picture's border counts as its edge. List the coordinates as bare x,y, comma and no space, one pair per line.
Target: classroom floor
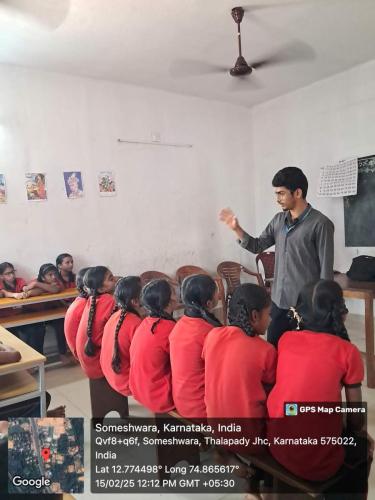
69,387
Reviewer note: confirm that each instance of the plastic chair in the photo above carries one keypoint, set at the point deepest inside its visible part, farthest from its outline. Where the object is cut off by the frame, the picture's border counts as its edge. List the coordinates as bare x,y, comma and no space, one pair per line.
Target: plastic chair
268,262
230,272
184,271
148,276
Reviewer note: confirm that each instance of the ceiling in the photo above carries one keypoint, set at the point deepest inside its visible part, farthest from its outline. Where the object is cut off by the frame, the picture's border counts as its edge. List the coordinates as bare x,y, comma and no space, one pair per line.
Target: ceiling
142,42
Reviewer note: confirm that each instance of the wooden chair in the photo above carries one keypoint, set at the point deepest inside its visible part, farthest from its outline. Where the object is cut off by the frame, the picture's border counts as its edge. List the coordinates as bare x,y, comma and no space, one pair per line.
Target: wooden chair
230,272
268,262
184,271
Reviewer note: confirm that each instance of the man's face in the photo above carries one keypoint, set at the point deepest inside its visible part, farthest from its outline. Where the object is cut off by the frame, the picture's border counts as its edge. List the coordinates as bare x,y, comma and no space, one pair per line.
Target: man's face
285,198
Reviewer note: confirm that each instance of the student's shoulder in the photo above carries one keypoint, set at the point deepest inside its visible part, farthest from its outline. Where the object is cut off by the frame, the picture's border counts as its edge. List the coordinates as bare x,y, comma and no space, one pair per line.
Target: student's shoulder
106,298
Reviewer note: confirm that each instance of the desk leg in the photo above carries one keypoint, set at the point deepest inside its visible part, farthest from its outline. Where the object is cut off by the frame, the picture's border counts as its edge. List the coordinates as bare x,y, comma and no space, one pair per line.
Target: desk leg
369,331
42,388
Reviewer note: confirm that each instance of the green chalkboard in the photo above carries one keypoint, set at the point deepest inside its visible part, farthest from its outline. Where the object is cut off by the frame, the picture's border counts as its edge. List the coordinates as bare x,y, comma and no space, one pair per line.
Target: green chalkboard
359,210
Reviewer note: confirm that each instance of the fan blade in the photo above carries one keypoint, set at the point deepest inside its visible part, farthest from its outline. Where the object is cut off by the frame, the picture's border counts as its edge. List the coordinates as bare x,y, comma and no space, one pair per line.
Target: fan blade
189,67
49,13
245,83
252,8
290,53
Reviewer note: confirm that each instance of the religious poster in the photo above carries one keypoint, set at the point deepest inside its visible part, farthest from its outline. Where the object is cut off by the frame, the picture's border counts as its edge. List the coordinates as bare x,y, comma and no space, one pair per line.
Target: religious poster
3,189
107,185
36,187
73,185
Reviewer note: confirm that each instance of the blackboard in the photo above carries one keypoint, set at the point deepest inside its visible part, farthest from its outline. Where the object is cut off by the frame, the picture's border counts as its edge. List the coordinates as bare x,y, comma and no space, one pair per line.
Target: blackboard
359,210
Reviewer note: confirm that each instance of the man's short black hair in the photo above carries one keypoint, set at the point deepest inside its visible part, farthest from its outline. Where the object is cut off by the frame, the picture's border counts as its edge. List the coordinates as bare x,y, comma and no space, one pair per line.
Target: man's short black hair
292,178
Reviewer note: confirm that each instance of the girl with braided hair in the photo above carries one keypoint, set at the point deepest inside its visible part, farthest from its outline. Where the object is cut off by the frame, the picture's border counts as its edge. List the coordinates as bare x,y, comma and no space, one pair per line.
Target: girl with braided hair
200,296
99,283
118,334
314,364
74,313
150,378
240,365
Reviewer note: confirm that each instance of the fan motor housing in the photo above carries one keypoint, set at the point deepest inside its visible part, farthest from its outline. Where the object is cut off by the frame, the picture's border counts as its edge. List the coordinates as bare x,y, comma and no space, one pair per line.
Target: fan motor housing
241,68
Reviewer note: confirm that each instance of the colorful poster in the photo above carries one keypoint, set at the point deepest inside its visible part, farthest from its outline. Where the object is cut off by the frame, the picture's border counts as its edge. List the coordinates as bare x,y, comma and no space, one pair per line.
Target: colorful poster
107,185
36,187
3,189
73,185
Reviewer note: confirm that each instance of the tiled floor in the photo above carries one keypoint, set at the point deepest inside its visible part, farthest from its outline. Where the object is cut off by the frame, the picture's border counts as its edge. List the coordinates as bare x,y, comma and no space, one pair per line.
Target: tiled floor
68,386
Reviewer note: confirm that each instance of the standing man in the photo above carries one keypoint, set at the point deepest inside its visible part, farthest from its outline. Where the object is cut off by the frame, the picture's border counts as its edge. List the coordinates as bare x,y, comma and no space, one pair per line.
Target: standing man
303,239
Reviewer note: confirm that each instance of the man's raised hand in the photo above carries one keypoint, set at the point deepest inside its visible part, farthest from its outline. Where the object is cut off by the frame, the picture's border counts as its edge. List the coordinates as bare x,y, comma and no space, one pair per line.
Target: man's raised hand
227,216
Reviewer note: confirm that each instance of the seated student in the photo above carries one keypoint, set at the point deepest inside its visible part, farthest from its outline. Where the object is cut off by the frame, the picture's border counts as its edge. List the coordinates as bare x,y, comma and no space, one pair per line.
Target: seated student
119,332
240,366
48,281
314,364
150,370
200,296
12,287
99,283
64,264
74,313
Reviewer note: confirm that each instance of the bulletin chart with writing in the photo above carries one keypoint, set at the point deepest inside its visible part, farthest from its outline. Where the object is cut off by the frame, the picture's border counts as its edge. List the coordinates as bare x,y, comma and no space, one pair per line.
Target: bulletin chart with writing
339,179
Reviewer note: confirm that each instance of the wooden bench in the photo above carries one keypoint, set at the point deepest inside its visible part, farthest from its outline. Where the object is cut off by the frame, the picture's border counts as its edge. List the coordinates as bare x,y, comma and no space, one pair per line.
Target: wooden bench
282,479
169,455
104,399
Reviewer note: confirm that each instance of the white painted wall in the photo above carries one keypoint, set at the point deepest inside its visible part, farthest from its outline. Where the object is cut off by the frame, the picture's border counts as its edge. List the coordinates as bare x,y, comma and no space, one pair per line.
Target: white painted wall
165,213
328,121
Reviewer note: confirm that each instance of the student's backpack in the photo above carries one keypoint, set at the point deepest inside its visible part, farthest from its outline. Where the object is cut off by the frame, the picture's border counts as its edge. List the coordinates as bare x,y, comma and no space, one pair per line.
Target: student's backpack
362,268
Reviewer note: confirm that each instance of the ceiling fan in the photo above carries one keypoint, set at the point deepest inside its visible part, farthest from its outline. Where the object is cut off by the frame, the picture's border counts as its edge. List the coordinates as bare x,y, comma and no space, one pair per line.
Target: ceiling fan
292,52
48,13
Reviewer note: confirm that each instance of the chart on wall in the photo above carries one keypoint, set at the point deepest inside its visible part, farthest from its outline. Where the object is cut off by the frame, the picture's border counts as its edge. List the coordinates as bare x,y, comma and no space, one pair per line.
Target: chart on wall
359,210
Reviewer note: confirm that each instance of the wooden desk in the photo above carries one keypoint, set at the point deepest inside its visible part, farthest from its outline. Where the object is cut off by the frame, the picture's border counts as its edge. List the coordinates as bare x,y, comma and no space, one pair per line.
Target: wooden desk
28,318
363,290
69,293
29,359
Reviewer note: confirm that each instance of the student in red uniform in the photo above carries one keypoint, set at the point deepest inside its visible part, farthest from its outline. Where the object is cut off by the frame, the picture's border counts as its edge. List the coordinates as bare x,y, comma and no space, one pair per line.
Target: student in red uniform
64,264
150,370
99,283
48,281
13,287
240,366
74,313
200,296
118,334
314,364
10,285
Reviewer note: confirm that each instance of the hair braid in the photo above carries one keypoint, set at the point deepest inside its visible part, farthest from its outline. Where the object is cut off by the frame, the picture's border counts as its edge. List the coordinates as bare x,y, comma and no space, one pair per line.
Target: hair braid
201,312
241,318
160,315
116,359
338,322
90,347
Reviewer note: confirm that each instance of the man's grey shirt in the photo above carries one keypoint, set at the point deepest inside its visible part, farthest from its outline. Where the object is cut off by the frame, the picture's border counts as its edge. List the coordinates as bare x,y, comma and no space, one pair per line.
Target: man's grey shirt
303,252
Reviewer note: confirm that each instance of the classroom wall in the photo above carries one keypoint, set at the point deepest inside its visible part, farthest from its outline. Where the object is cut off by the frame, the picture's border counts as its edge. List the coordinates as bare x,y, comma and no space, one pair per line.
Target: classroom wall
328,121
168,199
